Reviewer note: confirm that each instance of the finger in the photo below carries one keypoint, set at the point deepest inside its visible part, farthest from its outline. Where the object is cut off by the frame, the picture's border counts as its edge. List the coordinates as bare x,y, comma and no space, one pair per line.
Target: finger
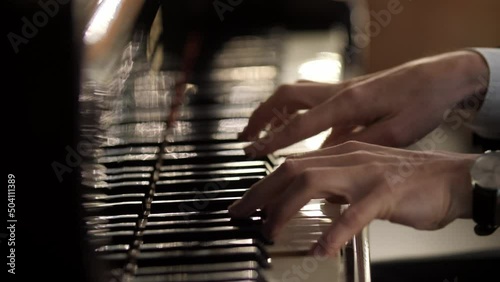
311,184
336,111
263,191
268,188
286,101
280,122
350,223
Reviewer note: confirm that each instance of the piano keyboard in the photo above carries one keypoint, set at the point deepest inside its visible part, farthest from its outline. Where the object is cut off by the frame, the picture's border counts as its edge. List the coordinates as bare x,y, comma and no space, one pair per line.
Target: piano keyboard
156,194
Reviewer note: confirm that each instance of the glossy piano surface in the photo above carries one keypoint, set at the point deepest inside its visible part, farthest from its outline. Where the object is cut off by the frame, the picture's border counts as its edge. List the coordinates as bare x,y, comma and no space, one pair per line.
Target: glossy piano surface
164,93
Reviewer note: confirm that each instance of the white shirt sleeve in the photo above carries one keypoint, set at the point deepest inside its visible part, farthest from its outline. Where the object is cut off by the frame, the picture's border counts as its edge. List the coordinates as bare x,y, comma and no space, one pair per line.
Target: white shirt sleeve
486,123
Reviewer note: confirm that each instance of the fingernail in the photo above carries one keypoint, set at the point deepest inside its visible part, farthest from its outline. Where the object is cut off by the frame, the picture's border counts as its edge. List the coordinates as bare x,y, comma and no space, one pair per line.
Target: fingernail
319,251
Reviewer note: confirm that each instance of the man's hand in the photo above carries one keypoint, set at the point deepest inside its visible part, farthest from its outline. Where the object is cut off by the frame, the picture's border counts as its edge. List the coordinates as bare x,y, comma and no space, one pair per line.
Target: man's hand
425,190
395,107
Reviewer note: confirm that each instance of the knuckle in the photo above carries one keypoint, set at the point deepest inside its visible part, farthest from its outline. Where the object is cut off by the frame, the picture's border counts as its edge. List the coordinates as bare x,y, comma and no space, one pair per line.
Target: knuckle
283,90
289,167
351,146
350,219
261,108
354,95
300,121
377,176
291,130
393,136
307,179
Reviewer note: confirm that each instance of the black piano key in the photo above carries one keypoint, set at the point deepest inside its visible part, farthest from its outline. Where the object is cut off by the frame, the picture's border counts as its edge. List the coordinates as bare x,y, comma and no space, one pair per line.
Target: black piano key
205,234
214,166
203,223
183,246
198,268
124,237
118,187
142,173
206,112
209,126
122,226
175,158
206,184
180,223
176,195
222,214
197,204
204,157
230,254
114,219
138,150
100,172
130,176
133,150
238,145
105,198
214,173
191,256
96,199
116,162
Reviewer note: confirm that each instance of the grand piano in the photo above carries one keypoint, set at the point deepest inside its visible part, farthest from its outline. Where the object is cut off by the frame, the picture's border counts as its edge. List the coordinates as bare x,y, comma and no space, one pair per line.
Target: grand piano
156,94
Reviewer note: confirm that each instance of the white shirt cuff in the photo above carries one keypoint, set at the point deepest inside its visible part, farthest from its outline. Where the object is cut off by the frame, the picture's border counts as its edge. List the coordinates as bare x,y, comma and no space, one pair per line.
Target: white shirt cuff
486,123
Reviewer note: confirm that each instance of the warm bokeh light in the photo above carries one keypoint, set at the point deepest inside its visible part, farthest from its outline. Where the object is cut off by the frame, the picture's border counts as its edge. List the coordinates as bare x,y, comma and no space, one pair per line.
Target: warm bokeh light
326,68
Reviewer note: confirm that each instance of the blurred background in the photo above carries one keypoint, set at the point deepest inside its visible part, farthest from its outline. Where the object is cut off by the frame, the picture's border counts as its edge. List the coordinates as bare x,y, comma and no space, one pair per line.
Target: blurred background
425,28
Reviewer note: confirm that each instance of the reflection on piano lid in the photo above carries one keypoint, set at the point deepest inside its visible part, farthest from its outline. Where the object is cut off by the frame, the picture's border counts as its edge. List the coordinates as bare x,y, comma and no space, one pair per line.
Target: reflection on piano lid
165,161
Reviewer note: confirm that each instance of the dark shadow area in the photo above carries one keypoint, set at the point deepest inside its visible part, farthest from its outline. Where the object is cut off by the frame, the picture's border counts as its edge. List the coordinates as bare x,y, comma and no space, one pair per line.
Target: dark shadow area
473,267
